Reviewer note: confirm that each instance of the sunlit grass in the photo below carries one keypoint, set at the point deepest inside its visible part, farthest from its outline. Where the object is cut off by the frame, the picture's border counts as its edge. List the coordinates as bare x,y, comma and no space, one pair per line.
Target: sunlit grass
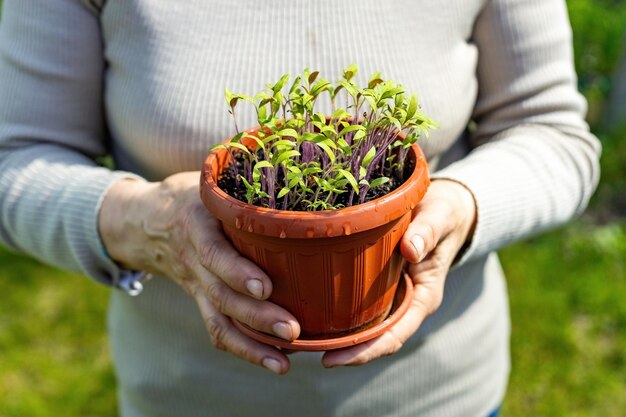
54,357
567,293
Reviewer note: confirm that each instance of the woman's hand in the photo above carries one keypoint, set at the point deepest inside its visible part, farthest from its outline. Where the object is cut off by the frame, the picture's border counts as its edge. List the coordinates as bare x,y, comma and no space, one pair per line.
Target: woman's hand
444,221
163,228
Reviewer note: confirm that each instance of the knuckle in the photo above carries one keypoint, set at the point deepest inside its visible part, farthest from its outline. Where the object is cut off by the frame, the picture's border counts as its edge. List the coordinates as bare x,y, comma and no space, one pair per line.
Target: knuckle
252,317
394,346
186,219
440,264
217,330
244,352
218,345
211,254
217,294
436,298
430,234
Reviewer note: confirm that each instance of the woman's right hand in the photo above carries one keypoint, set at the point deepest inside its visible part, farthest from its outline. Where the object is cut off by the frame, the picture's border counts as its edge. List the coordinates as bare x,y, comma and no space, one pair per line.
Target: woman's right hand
164,228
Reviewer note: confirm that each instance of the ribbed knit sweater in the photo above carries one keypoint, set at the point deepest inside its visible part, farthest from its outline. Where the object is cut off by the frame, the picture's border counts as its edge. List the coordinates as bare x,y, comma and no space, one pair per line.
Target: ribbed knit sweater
144,81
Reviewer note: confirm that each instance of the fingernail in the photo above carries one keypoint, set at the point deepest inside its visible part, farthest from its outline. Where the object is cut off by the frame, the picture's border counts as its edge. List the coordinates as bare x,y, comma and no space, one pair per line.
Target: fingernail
255,288
273,365
283,330
419,244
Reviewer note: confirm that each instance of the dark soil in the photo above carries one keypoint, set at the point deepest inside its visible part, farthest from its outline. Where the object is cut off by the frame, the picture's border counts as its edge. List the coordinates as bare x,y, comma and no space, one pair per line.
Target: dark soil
228,183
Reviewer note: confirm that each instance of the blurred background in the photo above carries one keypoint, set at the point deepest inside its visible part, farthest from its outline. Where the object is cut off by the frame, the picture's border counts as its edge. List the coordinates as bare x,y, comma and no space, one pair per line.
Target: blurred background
567,288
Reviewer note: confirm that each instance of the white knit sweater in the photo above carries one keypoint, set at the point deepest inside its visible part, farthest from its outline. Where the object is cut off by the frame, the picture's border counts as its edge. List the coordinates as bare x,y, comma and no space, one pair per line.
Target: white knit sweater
144,79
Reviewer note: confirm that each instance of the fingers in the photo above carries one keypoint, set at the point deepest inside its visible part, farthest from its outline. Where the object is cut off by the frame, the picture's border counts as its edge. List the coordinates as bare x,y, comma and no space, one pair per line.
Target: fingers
260,315
217,255
389,342
448,209
228,286
428,279
225,336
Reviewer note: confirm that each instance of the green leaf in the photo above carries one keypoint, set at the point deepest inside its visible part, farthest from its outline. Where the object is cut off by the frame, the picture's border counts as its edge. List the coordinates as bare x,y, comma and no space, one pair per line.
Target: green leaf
312,170
250,189
343,145
281,83
372,102
313,137
258,141
327,149
320,86
283,142
238,137
276,102
391,93
369,156
350,88
340,114
347,175
379,181
295,85
266,140
350,72
283,192
362,173
217,147
286,155
359,135
412,107
238,146
374,80
262,164
351,128
262,114
231,99
328,131
313,76
306,99
291,133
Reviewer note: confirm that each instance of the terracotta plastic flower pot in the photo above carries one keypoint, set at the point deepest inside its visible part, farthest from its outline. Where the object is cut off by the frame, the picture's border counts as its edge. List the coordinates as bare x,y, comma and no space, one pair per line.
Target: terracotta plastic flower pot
336,271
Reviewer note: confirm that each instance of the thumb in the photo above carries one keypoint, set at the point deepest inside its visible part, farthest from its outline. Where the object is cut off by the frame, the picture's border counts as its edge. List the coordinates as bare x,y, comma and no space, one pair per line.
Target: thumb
424,233
417,242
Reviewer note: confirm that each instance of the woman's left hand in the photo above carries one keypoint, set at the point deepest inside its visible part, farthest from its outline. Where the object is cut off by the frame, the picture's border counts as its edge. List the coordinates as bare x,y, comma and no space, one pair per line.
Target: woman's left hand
444,221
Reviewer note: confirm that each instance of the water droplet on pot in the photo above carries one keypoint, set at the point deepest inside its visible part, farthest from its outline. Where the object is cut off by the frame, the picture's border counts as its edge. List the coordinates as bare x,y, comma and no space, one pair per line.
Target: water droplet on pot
347,230
310,232
238,222
282,234
250,228
412,205
329,230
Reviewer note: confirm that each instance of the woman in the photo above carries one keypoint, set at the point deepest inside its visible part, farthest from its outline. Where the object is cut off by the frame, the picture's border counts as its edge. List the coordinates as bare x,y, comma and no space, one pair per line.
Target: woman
143,79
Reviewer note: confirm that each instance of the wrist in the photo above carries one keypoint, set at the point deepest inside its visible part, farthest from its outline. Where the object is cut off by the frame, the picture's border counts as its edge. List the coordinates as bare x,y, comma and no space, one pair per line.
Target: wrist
120,222
464,202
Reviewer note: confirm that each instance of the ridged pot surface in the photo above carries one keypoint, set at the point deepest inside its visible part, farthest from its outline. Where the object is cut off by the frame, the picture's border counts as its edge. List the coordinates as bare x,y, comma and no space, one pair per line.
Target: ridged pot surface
336,271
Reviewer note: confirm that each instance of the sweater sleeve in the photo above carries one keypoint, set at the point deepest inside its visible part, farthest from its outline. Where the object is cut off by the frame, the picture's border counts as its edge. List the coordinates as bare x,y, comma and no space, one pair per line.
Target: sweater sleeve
51,129
534,164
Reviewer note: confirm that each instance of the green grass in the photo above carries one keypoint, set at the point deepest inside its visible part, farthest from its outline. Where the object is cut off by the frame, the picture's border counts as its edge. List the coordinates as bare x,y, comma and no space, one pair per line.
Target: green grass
567,293
54,357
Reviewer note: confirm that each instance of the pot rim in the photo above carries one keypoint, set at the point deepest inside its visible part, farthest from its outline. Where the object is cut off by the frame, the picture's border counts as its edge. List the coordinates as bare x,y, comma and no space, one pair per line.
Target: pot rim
310,224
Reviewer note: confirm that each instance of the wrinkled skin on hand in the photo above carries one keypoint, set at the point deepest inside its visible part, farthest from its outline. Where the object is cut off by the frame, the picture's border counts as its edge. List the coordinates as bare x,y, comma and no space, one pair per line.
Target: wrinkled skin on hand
164,228
444,221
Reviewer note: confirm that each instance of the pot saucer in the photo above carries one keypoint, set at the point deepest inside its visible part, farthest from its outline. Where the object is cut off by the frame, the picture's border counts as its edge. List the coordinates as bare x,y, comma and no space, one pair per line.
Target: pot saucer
401,303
